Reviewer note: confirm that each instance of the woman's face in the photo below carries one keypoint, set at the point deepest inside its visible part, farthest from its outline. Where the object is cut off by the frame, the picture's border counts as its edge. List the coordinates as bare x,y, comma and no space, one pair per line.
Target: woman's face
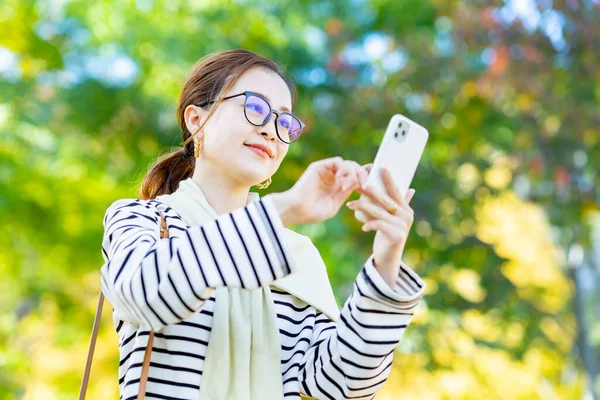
227,134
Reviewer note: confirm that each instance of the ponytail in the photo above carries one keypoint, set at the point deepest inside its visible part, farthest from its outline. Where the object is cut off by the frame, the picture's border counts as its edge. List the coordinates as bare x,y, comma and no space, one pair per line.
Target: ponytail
164,176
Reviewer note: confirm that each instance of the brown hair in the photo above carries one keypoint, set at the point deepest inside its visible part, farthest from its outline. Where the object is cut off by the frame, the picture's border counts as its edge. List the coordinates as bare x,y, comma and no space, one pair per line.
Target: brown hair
211,77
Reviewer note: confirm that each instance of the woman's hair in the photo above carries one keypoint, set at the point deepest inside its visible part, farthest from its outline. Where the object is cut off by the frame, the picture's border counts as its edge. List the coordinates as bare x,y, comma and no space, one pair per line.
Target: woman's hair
212,76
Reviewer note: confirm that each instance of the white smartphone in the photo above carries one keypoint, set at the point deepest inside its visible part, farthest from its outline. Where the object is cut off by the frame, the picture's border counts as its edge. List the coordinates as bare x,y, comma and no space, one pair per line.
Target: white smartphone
400,151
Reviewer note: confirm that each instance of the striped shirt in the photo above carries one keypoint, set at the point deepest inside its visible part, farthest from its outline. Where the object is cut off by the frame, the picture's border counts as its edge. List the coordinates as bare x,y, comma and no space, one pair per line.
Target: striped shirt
167,285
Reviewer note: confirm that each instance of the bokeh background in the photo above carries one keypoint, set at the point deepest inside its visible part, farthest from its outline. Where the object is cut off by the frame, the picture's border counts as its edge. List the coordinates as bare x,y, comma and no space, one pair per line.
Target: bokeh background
507,229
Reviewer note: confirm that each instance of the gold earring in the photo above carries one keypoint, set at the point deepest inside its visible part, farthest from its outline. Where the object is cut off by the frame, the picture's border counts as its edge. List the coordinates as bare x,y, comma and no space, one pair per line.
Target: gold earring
264,185
197,148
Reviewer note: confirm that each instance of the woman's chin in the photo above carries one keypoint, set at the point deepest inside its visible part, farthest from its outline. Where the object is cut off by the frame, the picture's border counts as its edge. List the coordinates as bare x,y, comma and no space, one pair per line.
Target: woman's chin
254,179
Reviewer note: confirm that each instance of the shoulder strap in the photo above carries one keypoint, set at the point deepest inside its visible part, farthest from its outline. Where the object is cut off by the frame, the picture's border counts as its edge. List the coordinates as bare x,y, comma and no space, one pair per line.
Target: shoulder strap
145,367
164,233
90,356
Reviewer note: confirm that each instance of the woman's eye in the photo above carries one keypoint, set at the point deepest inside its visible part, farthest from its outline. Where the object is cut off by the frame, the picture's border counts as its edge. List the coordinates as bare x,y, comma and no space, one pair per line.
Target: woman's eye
255,107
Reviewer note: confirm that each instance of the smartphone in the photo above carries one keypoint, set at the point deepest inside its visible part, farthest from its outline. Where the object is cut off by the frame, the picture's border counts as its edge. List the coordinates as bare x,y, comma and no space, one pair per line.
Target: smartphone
400,151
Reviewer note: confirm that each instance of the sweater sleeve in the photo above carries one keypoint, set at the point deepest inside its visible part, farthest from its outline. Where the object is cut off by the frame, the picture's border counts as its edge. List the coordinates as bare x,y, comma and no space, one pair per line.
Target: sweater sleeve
154,282
351,359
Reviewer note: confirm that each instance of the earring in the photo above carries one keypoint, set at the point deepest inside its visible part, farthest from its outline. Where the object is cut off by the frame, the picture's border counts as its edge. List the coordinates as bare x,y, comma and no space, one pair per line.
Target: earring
264,185
197,148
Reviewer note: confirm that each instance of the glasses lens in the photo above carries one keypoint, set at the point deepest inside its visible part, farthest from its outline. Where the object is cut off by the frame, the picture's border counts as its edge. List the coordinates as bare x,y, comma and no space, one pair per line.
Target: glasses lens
289,127
258,111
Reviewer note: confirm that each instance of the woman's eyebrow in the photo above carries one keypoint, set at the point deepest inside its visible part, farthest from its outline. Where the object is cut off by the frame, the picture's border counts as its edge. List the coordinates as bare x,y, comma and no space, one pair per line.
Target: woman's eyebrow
267,97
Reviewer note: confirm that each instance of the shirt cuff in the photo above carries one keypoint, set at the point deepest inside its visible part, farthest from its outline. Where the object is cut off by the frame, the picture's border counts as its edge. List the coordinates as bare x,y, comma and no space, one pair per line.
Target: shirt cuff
407,291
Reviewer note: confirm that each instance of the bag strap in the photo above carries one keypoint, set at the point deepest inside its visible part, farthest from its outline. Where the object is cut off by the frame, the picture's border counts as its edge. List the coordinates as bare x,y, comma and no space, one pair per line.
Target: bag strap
90,356
164,233
145,367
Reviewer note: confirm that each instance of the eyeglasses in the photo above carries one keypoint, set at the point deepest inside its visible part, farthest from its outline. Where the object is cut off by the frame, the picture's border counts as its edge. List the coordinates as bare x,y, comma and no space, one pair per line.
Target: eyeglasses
258,112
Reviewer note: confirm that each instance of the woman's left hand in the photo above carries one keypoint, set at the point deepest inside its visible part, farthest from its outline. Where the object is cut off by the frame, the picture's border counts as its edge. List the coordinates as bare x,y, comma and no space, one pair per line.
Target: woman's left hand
392,229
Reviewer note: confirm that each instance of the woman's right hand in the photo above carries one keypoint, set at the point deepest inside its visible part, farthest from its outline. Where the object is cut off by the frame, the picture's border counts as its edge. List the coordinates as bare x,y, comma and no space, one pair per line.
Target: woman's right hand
321,191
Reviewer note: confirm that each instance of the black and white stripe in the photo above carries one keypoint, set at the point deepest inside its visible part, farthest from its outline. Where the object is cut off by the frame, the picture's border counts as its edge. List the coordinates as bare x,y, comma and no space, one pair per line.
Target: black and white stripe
167,285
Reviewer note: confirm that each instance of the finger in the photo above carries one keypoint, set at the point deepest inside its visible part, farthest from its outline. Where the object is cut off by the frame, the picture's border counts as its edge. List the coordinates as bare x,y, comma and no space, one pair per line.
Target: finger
377,196
325,170
360,174
391,187
330,164
396,232
344,176
406,208
371,210
364,173
410,195
350,175
341,171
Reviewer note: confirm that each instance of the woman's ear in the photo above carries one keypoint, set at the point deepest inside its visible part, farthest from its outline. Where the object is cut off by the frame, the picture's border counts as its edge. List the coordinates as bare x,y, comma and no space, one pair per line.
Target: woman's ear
193,116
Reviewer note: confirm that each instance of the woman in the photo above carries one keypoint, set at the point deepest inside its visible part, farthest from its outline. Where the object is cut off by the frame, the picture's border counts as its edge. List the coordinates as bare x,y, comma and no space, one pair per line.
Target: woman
241,306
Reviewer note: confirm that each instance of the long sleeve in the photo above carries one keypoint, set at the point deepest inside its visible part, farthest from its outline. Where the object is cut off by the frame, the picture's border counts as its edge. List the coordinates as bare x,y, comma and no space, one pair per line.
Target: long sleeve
154,282
351,359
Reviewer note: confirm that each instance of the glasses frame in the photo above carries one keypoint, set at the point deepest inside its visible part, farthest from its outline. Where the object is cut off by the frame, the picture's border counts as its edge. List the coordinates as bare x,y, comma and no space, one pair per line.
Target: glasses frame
277,113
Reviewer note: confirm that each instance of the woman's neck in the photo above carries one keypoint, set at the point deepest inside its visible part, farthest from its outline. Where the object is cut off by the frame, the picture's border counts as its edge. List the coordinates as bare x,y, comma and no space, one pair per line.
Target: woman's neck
220,191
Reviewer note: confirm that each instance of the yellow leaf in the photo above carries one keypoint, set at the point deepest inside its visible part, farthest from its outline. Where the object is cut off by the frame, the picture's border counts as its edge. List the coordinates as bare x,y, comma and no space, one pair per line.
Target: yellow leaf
465,282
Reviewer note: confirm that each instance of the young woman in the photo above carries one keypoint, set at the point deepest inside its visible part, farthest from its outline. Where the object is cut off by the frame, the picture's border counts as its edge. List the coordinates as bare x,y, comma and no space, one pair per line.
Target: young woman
240,306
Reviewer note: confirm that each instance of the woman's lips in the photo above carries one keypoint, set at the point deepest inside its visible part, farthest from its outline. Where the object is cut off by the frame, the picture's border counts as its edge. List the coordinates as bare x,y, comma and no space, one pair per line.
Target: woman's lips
259,151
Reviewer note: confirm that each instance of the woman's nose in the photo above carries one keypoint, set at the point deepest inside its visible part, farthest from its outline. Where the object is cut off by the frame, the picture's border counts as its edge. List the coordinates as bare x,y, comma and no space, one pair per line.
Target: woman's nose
270,129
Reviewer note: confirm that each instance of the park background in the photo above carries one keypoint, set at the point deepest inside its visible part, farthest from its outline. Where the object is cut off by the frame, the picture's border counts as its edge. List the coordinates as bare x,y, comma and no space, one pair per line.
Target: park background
507,228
